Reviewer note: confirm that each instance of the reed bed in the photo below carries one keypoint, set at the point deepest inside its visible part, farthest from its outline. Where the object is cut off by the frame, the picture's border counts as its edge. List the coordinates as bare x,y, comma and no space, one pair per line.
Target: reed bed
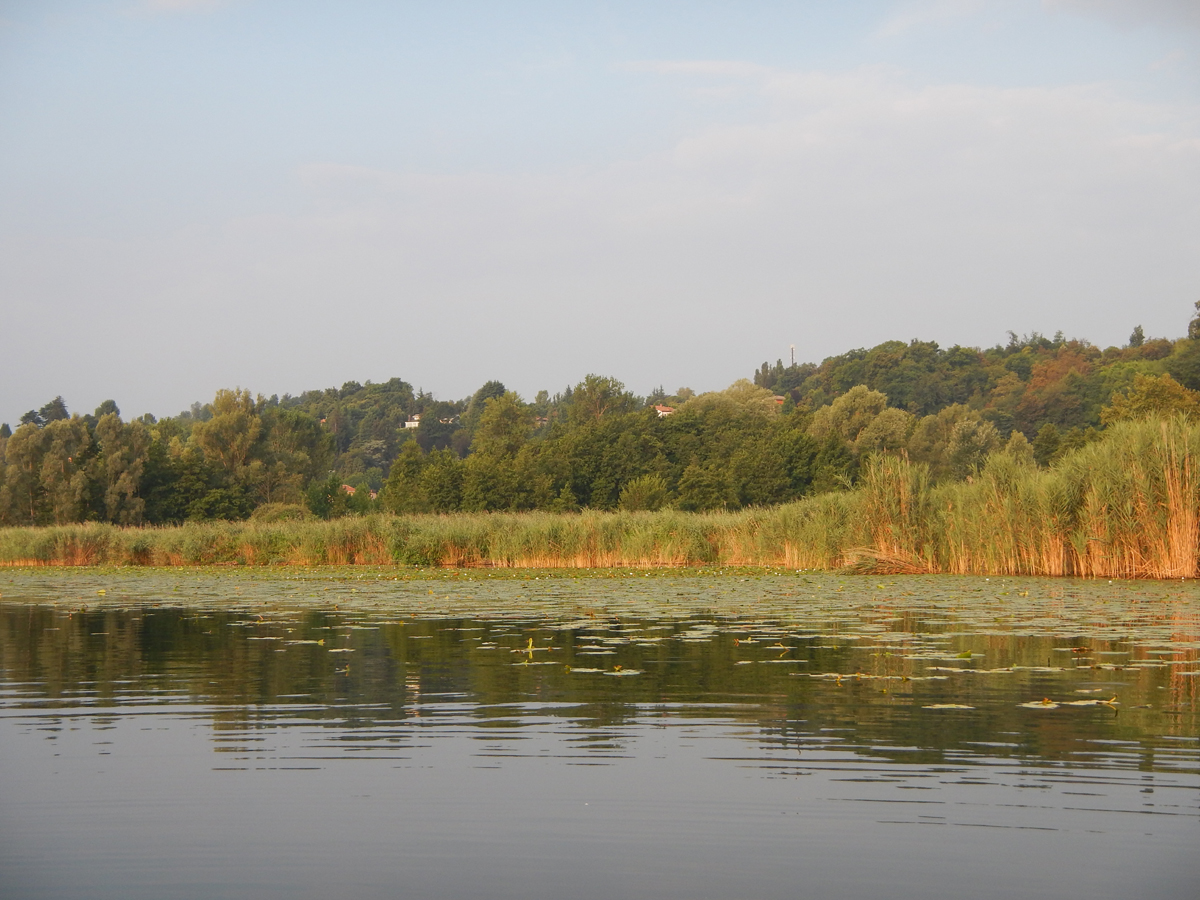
1124,507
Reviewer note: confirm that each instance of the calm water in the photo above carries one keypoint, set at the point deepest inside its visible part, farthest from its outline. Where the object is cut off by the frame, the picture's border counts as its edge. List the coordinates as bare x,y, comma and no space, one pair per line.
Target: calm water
180,734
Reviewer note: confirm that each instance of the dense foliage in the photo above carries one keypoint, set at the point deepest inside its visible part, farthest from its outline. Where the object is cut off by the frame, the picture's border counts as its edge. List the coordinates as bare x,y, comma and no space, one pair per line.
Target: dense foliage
796,430
1125,506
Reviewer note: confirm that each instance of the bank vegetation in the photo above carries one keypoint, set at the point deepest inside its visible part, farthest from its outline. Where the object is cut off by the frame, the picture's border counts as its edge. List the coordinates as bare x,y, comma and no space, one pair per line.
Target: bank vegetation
1124,506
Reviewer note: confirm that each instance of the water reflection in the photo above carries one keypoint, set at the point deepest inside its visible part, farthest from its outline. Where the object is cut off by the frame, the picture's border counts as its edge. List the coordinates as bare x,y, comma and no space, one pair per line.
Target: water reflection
718,737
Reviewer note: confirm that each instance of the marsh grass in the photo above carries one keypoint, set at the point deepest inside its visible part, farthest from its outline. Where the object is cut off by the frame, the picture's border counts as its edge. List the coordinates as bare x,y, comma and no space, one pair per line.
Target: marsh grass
1127,506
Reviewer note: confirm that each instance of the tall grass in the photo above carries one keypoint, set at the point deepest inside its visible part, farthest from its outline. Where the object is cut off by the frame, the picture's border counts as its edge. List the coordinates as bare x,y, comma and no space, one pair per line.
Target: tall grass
1127,506
1124,507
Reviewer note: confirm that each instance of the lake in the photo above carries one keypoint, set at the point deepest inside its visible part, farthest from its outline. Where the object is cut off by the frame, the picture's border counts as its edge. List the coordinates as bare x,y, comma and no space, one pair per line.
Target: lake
374,733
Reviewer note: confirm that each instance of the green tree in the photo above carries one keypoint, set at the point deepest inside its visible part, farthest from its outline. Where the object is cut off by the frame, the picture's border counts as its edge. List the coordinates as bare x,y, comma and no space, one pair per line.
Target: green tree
22,501
490,391
1184,362
54,411
758,473
63,472
1046,445
404,491
503,427
180,483
970,443
888,432
442,481
834,466
596,395
950,441
849,414
797,450
565,501
1019,449
1151,398
124,451
439,426
292,450
327,499
646,492
489,477
229,436
705,487
740,398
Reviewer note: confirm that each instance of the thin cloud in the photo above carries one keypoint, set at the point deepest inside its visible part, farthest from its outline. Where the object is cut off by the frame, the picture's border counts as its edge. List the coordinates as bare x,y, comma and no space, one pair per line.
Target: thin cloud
327,173
918,15
1172,60
182,6
1133,13
716,67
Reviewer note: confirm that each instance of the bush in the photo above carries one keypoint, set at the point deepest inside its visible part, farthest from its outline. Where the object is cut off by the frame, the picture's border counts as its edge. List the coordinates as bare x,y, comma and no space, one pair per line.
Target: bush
282,512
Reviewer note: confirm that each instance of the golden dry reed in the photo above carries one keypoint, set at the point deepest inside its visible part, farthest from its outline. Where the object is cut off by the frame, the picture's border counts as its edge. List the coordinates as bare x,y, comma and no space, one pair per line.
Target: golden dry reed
1124,507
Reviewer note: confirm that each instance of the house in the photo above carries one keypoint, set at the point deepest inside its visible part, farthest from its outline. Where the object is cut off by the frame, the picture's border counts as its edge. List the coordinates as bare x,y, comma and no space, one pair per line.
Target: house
413,421
663,411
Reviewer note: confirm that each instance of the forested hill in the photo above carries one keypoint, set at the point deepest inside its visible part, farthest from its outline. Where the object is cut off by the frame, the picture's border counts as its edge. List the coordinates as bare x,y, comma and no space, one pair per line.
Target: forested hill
1030,382
791,431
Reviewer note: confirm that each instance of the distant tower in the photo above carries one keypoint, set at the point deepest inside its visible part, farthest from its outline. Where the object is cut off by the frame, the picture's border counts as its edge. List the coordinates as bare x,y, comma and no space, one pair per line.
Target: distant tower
793,354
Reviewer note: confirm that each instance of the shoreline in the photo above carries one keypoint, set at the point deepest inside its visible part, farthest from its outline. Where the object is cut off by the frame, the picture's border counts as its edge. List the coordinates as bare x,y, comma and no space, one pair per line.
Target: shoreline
1126,507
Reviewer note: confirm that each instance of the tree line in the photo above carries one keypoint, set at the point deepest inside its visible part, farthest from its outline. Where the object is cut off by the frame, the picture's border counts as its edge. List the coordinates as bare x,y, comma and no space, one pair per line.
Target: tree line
789,432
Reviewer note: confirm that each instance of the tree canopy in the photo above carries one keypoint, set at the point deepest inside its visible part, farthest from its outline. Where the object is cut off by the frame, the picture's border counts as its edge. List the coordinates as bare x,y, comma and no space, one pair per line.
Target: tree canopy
787,432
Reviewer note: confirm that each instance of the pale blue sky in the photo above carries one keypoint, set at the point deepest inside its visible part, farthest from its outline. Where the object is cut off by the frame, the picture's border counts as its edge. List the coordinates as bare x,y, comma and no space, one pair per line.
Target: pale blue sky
290,195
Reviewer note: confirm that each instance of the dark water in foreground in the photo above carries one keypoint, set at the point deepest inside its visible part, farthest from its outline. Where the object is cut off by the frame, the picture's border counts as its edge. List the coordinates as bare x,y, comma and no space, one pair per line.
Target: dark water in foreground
339,734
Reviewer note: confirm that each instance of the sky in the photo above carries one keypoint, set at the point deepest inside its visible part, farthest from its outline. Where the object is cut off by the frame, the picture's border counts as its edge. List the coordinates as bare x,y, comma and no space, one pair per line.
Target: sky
284,196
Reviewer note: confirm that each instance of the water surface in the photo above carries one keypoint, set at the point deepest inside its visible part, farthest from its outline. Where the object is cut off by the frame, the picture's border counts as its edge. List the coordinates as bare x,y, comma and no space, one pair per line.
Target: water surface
350,733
